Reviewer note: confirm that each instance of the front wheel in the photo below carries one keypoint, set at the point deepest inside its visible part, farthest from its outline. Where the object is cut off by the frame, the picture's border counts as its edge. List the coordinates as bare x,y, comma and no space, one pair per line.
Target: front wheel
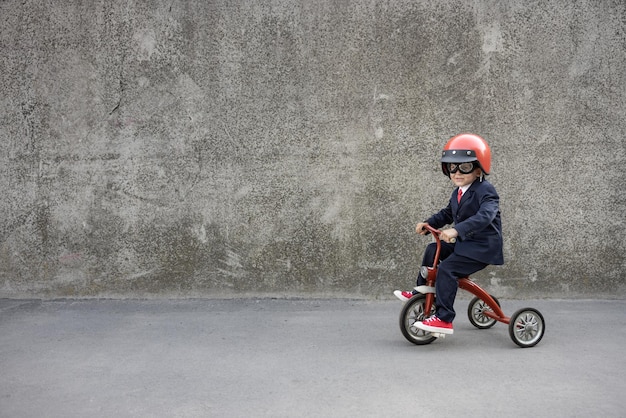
527,327
412,312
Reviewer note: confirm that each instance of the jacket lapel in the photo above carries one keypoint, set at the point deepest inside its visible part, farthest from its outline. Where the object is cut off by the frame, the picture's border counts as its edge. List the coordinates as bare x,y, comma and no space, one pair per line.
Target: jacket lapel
467,194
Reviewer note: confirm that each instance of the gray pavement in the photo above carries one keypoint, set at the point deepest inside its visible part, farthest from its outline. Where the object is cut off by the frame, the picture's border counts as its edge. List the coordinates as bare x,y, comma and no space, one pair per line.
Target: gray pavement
301,358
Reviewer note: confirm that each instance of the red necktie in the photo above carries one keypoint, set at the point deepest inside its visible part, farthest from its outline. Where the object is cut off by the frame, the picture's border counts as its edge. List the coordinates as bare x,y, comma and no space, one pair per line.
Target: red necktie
459,195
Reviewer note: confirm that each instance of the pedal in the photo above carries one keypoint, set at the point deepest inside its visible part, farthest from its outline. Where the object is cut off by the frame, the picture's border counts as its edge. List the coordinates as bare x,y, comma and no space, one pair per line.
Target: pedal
438,335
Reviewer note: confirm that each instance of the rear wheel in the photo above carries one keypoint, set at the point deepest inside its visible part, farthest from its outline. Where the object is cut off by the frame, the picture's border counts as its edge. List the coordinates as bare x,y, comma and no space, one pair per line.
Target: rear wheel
527,327
413,311
476,313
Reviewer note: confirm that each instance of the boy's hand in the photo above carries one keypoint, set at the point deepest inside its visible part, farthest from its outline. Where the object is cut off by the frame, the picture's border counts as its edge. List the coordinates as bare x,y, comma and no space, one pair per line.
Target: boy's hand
420,228
449,235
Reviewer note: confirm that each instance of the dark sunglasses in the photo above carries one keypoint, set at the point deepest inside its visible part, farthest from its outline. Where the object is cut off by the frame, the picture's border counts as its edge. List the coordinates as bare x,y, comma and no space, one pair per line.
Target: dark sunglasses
464,168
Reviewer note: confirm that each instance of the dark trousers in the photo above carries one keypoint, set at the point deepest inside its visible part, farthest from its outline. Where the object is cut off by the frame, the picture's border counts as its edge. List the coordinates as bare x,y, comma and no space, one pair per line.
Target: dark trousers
451,267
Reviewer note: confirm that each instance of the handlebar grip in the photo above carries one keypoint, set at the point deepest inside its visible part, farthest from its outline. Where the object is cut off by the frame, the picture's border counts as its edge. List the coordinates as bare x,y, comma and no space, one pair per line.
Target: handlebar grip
437,232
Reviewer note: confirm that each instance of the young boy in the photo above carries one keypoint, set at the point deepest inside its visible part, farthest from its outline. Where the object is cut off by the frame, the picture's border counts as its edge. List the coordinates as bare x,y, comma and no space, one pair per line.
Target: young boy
476,239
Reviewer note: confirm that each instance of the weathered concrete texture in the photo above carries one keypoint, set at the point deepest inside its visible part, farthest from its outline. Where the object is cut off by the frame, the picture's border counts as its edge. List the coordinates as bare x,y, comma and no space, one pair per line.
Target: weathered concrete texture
289,147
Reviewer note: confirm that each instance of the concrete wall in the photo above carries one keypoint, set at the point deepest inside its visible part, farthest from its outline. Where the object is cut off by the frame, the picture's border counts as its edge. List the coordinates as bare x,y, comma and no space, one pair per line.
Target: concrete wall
224,148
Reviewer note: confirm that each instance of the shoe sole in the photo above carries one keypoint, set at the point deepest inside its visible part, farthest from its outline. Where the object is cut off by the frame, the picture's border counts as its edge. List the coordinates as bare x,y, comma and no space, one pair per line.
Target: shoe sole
437,330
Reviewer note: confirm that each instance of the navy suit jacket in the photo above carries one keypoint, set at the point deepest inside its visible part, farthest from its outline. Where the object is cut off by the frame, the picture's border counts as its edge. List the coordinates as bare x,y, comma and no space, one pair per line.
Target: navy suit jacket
477,220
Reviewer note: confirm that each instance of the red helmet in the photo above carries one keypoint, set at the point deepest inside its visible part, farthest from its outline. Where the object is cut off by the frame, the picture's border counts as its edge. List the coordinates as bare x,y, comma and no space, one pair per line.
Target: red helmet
465,148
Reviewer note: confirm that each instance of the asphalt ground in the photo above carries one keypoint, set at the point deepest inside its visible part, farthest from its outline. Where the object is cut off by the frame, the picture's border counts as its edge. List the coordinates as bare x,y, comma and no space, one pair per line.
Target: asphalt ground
302,358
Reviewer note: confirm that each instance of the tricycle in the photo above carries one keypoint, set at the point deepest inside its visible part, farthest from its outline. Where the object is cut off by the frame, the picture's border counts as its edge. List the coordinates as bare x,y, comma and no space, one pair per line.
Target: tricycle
526,326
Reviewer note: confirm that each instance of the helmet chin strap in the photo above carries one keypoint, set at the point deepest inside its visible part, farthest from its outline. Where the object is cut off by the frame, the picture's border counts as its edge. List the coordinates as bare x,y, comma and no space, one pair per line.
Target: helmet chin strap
481,176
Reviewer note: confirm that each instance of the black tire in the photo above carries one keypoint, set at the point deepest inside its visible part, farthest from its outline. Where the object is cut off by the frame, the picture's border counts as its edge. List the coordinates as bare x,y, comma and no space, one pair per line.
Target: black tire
412,312
475,314
527,327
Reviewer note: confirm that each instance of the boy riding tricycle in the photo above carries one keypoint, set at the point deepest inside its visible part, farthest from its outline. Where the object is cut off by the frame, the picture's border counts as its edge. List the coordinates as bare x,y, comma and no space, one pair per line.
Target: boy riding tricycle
472,244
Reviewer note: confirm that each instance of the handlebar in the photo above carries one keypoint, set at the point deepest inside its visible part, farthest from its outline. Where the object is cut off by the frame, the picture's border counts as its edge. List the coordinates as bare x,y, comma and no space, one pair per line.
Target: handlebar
436,232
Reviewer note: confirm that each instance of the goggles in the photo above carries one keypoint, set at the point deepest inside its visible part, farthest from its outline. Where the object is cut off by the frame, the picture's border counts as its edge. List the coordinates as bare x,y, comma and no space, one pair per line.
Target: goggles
464,168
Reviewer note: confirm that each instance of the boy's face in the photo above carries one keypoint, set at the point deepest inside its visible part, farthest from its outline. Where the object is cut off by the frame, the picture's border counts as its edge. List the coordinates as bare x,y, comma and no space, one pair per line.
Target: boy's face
459,179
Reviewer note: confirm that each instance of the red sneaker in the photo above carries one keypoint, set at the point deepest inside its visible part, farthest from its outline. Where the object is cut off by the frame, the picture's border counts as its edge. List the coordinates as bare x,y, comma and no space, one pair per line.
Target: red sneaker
434,324
402,295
